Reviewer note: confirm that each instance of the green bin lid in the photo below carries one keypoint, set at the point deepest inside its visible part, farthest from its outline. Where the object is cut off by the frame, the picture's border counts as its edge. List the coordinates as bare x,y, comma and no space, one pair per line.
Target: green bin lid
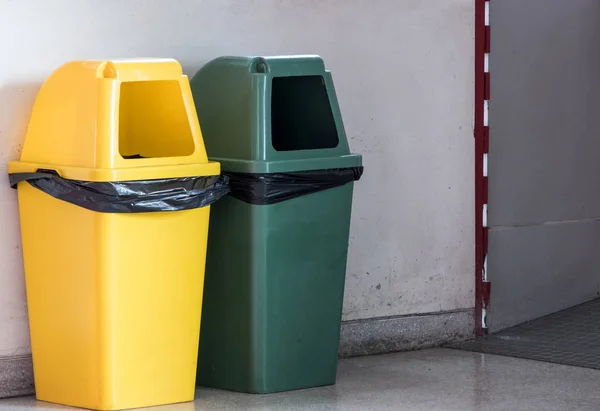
271,114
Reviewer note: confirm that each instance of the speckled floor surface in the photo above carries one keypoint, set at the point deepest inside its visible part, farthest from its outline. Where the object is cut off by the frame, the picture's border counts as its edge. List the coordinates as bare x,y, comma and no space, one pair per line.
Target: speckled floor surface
429,380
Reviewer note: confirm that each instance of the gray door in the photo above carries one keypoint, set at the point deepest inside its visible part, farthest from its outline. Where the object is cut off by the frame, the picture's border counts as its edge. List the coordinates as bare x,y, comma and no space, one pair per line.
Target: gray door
544,158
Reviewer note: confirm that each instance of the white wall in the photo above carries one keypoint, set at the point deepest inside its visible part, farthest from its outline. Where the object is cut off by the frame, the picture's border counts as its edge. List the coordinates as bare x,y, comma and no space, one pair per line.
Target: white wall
404,76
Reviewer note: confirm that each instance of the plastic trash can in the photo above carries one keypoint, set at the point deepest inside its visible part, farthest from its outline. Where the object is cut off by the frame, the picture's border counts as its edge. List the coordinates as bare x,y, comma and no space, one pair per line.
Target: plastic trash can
278,245
114,189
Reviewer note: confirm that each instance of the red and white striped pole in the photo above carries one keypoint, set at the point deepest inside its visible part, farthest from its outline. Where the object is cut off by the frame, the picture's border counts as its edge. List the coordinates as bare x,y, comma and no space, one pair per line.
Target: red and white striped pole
481,133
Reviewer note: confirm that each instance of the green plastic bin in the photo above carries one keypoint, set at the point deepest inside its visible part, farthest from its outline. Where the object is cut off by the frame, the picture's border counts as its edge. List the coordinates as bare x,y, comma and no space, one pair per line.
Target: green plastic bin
275,273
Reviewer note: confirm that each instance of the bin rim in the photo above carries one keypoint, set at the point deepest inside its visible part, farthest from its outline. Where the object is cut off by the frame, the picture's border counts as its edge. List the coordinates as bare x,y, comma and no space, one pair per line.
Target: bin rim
283,166
210,168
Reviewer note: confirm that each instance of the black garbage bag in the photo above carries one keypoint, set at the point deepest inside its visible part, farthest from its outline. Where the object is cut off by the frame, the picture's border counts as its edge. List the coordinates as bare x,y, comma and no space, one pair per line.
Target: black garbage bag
272,188
143,196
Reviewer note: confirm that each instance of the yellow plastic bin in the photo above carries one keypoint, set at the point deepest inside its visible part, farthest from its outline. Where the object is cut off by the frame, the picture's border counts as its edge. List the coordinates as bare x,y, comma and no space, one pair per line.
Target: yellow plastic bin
114,296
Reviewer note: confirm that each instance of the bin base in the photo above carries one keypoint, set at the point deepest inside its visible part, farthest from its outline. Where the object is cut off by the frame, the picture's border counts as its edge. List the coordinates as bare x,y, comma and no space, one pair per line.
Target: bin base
265,390
114,302
185,405
274,292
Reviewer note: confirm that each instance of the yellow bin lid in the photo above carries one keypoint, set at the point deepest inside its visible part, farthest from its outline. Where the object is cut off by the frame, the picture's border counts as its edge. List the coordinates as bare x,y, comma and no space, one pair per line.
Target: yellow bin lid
116,121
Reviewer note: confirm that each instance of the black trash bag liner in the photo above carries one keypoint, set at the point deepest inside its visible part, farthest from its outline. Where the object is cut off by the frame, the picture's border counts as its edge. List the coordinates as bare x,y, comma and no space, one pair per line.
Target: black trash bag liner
272,188
170,194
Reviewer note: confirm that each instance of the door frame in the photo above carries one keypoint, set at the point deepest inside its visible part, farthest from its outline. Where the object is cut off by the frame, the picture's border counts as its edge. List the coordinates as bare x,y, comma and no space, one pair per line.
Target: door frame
481,134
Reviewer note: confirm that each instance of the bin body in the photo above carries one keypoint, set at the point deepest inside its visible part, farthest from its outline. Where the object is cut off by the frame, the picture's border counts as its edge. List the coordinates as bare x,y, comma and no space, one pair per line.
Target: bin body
275,272
114,302
114,299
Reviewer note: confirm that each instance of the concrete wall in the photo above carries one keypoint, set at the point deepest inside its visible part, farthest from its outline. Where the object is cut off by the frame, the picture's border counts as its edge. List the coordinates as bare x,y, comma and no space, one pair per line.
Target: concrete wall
544,208
404,76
